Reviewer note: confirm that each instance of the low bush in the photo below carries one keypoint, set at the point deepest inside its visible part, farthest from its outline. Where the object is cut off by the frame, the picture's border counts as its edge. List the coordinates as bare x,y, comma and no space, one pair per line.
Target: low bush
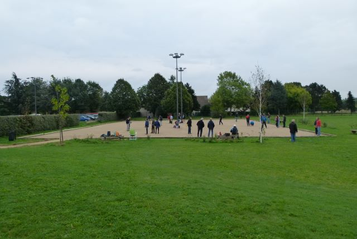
107,116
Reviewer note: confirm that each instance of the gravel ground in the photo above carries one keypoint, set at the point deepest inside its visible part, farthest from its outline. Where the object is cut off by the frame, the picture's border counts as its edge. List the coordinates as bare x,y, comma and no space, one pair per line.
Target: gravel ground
167,130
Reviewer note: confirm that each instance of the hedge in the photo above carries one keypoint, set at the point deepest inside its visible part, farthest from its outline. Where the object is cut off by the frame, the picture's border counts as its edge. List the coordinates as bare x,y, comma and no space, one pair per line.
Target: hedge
29,124
107,116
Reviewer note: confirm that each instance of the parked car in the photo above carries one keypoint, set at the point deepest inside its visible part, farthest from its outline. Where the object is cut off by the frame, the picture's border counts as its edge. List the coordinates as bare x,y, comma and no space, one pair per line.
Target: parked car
84,118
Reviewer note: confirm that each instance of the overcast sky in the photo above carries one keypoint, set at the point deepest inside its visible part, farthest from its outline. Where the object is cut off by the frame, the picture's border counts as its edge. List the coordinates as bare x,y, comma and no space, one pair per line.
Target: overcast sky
105,40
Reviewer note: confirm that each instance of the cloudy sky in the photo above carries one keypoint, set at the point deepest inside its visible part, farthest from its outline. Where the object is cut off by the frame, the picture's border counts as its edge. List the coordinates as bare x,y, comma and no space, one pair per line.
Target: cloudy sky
104,40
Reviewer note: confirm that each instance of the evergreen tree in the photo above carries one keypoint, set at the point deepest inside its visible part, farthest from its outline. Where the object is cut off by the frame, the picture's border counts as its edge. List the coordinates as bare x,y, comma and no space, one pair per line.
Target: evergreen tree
277,98
351,103
338,99
124,99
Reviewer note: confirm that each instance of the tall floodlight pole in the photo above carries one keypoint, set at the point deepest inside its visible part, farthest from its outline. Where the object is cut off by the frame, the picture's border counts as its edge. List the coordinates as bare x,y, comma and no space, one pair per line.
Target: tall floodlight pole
33,81
177,56
181,89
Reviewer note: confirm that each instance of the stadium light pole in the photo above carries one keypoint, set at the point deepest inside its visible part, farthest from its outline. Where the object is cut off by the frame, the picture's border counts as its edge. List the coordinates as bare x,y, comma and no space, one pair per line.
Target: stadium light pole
181,88
176,56
33,81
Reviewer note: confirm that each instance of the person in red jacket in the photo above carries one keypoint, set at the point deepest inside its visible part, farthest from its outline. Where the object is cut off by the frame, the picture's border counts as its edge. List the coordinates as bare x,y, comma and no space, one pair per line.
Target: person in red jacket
318,126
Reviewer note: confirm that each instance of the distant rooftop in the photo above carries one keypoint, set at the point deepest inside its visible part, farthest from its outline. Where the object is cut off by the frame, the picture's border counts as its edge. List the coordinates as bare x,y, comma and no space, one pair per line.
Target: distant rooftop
203,100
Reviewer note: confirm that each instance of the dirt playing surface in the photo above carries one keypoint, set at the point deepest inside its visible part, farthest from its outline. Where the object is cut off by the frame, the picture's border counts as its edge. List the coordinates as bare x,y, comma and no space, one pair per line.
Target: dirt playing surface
167,130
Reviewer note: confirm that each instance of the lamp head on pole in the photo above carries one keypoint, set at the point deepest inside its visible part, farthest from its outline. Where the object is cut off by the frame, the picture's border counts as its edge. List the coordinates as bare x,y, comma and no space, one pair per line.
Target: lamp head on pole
176,55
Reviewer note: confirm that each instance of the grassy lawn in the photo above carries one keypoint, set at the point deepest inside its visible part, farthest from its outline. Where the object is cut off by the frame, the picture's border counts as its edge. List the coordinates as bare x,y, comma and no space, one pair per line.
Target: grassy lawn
184,188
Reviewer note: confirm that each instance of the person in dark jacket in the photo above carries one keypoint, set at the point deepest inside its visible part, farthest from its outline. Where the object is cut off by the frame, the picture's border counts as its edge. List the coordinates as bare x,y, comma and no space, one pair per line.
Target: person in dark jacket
211,126
146,125
189,125
157,126
200,125
284,121
221,120
293,130
234,131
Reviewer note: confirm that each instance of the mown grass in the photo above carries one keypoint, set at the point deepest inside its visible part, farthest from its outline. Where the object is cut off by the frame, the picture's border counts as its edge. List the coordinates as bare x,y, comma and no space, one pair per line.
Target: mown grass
183,188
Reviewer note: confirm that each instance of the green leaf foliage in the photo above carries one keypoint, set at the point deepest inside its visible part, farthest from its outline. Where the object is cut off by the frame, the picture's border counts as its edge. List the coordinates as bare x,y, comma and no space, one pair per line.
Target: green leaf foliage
30,124
124,99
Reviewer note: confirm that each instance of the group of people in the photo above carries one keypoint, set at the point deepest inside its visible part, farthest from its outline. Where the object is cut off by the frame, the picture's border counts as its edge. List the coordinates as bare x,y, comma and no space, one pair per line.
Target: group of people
211,125
317,126
293,128
266,118
156,124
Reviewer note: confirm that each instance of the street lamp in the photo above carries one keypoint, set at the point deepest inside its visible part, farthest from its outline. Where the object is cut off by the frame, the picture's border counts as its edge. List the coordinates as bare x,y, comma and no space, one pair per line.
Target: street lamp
33,81
176,56
181,88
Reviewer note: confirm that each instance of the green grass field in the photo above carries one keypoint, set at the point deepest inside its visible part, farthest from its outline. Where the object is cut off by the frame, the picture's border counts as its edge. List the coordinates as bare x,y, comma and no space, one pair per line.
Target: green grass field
184,188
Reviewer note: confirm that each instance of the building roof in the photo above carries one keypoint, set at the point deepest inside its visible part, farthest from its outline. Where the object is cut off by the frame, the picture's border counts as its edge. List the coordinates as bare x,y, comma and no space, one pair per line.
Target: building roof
203,100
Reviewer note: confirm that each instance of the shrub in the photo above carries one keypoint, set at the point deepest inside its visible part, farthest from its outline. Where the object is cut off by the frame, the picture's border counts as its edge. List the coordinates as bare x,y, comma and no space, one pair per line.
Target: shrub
29,124
304,121
107,116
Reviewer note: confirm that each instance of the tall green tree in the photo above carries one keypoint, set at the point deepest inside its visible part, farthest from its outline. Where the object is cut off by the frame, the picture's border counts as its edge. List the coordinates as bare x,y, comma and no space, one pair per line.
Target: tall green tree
124,99
233,92
142,95
171,80
106,102
4,108
169,100
351,103
155,92
316,90
196,105
80,98
95,93
338,99
277,98
15,89
328,102
43,95
297,98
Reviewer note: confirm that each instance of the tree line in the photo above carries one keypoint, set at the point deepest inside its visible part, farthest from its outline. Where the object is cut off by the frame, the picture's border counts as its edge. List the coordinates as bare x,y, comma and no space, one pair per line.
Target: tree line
234,94
158,96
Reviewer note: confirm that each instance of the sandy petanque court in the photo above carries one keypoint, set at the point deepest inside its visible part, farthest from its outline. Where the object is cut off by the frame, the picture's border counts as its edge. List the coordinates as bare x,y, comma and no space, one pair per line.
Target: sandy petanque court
167,130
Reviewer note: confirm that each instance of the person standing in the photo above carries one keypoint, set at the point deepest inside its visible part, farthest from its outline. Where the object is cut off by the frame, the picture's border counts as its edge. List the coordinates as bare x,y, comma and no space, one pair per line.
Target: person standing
189,125
318,126
146,125
263,120
248,119
315,126
236,116
284,121
221,120
293,130
211,126
128,123
153,126
160,120
200,125
157,126
277,119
